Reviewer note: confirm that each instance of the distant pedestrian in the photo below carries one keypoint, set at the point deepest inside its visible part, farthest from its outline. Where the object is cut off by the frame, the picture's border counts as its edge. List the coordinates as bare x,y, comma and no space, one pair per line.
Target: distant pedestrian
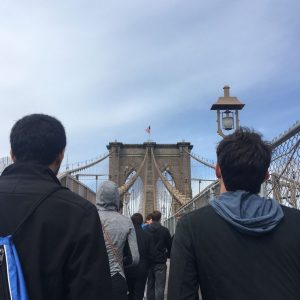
162,247
136,276
61,245
118,230
148,221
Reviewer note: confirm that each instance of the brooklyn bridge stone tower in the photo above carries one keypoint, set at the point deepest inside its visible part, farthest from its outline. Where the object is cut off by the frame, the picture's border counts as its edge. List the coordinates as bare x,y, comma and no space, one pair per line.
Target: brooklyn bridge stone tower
149,160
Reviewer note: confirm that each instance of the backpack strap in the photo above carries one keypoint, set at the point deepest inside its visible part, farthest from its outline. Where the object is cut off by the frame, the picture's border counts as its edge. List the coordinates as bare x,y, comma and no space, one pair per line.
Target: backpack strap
114,250
35,206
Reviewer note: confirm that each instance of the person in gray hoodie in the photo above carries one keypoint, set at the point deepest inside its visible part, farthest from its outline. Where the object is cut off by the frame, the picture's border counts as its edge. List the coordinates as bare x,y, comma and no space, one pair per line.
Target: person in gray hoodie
242,245
119,235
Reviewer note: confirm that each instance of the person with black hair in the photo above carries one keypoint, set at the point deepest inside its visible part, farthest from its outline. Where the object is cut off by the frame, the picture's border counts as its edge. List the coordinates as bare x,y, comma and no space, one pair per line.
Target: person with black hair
162,246
148,221
61,245
136,276
242,245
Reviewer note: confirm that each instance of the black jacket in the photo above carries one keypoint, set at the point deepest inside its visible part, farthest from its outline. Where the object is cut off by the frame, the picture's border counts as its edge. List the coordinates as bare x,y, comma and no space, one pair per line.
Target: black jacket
230,265
61,246
146,251
162,242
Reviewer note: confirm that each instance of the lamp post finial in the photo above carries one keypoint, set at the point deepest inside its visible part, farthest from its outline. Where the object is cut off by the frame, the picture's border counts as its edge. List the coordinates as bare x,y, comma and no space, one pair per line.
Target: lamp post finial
226,89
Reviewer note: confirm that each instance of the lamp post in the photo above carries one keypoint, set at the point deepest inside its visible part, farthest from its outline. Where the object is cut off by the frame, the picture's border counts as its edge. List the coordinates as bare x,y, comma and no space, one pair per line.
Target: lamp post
226,105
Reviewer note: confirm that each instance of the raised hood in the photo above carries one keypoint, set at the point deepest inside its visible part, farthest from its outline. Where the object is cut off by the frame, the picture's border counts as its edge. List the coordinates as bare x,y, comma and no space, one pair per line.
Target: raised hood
108,197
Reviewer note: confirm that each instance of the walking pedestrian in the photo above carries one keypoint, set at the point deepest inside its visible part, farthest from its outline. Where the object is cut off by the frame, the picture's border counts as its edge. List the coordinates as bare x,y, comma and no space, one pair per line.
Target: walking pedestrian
118,230
136,276
162,246
148,221
60,245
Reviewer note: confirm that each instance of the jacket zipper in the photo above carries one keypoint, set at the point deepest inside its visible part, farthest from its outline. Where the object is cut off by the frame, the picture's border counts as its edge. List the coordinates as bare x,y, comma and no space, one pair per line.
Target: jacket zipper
4,288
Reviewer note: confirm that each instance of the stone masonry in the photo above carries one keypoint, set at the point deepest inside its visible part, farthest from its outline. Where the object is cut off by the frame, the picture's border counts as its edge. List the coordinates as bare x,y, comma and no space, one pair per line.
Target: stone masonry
126,158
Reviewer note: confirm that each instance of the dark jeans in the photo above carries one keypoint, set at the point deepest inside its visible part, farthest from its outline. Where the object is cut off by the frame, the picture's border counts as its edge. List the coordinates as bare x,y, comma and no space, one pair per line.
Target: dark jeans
119,287
156,282
136,287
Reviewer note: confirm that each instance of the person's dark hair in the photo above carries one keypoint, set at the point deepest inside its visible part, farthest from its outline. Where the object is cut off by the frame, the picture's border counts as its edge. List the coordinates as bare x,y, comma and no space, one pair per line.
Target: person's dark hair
149,217
137,219
244,159
156,216
37,138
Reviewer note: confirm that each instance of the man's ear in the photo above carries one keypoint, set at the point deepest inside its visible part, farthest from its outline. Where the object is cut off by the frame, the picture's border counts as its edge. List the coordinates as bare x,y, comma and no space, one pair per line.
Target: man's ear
13,157
218,171
219,176
61,155
57,162
59,158
267,176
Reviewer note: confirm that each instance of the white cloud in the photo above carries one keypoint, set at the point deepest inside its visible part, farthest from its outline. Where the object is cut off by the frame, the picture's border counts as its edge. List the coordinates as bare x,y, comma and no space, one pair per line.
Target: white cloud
104,66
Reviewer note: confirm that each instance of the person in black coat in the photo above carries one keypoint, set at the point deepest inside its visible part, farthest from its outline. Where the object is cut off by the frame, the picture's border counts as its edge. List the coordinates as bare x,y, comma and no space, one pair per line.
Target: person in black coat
61,246
136,276
242,246
162,247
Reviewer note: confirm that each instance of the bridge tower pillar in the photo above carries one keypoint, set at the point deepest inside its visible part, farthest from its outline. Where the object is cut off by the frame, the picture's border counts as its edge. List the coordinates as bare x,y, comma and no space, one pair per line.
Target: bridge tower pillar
174,158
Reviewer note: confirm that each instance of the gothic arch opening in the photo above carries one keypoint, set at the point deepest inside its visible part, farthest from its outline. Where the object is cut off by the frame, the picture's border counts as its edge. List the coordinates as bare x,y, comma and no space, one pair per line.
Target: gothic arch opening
133,199
164,199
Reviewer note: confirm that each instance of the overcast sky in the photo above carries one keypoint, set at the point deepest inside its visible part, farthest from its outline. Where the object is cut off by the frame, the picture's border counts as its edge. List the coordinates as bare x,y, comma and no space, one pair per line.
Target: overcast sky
109,69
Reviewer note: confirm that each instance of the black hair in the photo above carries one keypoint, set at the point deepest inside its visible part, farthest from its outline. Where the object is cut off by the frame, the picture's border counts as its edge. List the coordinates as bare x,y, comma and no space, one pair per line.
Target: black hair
149,217
156,216
244,159
37,138
137,219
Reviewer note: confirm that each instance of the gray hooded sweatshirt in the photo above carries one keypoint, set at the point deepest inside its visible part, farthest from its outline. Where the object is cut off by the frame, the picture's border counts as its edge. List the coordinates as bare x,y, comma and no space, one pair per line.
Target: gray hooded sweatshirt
248,213
117,227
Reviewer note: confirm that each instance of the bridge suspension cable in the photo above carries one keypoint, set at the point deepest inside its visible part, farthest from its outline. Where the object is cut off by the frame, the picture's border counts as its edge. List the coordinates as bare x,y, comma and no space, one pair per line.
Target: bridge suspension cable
200,160
182,199
88,165
71,181
126,186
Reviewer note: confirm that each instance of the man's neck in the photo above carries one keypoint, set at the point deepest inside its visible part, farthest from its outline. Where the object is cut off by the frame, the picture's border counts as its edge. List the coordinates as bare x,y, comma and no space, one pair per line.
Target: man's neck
222,186
54,168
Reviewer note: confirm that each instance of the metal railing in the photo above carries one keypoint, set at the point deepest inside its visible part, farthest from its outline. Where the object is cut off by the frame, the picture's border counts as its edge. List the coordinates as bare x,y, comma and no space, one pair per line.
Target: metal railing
200,200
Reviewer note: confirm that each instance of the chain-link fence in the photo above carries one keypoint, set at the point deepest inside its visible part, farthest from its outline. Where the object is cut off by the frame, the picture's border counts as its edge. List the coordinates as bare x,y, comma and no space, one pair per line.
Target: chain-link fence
284,182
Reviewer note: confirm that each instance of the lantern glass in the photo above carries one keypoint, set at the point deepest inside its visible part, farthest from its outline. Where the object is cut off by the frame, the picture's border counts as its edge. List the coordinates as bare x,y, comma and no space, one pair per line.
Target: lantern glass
227,120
